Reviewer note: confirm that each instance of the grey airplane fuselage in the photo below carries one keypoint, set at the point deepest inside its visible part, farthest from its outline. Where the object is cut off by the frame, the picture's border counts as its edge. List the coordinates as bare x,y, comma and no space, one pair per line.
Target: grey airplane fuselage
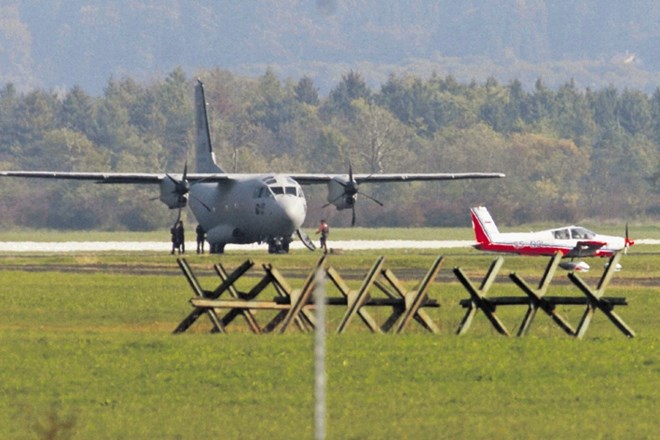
250,209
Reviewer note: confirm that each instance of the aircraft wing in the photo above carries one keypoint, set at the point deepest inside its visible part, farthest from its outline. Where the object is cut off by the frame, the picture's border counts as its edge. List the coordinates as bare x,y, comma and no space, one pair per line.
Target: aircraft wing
303,179
114,178
97,177
585,248
310,179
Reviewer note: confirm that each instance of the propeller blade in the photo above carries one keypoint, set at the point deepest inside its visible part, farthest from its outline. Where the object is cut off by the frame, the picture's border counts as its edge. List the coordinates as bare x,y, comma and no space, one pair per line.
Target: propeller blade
333,201
178,217
628,241
351,191
181,187
372,199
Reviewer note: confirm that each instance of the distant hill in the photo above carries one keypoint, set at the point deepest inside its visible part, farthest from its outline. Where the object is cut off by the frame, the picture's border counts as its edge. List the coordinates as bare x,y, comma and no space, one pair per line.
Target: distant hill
85,42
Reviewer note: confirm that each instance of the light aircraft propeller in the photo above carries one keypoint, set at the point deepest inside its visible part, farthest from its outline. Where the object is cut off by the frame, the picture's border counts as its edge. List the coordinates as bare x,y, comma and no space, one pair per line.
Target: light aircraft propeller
628,241
348,196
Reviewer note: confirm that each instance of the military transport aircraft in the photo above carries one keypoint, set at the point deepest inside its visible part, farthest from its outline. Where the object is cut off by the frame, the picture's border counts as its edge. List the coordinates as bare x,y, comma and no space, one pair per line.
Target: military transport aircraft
245,208
571,241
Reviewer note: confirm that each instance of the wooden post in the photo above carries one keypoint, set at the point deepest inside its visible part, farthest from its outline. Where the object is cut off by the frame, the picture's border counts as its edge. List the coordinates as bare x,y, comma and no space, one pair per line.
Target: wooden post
233,292
414,299
537,299
305,321
196,313
301,298
357,299
343,288
478,298
595,300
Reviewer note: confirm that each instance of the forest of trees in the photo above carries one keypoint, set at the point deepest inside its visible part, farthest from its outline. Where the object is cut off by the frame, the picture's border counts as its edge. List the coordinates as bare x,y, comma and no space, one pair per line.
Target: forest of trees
569,153
49,44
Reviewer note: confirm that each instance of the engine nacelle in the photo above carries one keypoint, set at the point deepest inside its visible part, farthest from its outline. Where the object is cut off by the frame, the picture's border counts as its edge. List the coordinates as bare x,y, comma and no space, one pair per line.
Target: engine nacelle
170,196
340,194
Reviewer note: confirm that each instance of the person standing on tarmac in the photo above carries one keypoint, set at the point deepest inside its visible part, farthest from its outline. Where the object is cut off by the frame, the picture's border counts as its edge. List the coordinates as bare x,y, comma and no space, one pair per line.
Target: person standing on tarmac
201,237
173,238
324,230
179,238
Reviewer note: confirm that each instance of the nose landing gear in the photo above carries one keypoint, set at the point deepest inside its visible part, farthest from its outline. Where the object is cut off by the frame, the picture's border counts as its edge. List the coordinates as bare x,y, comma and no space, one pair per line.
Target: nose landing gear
278,245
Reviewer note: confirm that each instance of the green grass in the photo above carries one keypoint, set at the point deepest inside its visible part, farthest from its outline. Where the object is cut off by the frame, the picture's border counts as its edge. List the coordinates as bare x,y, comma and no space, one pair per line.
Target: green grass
90,353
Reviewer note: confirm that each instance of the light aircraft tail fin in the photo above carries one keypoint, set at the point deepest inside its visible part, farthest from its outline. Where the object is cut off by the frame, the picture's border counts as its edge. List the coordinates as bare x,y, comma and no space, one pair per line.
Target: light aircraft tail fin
204,156
485,230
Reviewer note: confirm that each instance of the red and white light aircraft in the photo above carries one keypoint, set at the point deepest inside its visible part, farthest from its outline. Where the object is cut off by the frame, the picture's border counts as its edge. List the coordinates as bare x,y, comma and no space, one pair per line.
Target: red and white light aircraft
571,241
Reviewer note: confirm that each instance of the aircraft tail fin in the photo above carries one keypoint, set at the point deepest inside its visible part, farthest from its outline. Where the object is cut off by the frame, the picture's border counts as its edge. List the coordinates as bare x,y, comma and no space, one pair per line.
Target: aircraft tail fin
485,230
204,156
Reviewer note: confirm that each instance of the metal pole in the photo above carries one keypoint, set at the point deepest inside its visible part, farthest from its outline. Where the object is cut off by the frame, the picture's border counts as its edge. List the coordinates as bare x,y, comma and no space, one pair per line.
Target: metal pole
319,355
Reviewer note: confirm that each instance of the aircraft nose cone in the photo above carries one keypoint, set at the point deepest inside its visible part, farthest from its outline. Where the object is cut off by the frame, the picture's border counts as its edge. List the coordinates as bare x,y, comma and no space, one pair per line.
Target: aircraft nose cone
294,210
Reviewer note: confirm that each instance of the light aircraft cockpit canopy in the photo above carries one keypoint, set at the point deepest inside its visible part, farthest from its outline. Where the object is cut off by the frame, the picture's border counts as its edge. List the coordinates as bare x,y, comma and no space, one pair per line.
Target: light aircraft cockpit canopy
573,232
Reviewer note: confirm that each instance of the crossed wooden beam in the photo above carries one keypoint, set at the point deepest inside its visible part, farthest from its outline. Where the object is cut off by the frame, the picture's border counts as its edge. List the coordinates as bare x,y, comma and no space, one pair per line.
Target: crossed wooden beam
536,299
294,306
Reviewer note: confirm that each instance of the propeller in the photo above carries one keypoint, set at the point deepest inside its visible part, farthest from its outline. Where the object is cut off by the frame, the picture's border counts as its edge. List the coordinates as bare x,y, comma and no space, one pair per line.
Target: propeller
628,241
349,195
178,192
181,187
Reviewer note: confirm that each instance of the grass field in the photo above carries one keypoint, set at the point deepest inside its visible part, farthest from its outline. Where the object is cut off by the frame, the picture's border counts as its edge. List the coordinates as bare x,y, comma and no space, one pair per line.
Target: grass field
87,352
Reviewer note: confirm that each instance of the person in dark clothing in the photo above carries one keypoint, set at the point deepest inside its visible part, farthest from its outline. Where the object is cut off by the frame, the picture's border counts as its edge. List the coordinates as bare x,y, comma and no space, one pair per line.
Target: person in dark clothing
178,238
173,238
324,230
181,238
201,237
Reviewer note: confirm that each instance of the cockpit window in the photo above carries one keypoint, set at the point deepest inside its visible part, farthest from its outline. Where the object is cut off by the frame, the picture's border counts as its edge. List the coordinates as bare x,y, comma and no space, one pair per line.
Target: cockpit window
261,193
582,233
289,190
562,234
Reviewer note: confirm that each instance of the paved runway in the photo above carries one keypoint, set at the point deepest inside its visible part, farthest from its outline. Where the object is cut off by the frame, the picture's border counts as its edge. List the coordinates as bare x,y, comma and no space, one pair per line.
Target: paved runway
141,246
137,246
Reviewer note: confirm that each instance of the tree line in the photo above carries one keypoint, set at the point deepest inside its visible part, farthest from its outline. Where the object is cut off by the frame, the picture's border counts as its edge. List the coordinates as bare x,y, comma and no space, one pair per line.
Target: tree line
569,154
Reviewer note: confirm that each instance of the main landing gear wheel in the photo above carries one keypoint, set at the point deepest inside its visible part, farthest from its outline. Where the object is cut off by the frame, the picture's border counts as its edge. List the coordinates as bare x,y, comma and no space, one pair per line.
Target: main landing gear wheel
217,248
278,245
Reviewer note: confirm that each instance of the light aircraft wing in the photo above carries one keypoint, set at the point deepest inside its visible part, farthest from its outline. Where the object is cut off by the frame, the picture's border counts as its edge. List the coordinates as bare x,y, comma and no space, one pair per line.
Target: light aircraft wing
310,179
585,248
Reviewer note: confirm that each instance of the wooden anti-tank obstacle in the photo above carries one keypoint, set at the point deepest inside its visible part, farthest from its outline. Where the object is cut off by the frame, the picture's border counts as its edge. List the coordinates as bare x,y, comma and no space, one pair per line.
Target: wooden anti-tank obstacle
295,305
536,299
